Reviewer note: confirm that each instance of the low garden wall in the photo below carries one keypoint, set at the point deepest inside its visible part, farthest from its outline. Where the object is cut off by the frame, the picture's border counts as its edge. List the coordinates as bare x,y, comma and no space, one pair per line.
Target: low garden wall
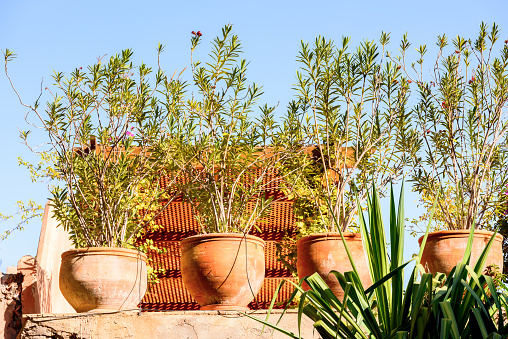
172,324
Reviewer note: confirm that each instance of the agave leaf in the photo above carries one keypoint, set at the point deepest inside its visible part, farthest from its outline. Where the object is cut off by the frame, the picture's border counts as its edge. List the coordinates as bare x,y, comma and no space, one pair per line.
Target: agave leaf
350,257
300,312
386,278
446,325
275,327
467,307
492,288
480,322
417,299
448,312
408,295
344,303
272,303
483,256
397,254
325,330
467,254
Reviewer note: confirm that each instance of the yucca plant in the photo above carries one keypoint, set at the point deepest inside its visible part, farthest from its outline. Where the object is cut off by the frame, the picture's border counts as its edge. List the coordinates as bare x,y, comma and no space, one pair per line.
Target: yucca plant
467,304
387,309
437,306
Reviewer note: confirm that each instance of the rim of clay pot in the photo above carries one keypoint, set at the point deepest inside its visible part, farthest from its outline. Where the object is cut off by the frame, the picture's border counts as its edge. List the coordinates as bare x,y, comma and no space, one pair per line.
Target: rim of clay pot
350,236
221,237
460,234
118,251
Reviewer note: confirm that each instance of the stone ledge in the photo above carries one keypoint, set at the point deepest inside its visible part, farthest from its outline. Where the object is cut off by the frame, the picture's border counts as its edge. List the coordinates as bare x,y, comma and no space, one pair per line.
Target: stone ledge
170,324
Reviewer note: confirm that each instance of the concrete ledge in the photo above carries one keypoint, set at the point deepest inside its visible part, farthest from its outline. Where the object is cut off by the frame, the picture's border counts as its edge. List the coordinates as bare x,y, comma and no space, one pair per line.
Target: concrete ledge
171,324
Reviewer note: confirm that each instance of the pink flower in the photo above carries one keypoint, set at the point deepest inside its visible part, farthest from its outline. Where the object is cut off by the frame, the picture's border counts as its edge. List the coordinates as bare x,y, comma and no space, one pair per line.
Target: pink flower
129,134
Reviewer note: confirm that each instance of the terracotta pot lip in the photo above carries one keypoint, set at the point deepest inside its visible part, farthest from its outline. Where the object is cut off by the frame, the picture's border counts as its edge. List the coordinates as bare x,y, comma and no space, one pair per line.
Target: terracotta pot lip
348,236
460,234
223,237
118,251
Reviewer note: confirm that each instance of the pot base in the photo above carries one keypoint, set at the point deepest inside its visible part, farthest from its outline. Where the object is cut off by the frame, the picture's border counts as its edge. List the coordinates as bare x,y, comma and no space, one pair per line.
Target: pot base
222,307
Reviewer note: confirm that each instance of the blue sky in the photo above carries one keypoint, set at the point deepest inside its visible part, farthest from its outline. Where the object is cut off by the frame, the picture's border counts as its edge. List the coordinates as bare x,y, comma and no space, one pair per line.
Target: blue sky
62,35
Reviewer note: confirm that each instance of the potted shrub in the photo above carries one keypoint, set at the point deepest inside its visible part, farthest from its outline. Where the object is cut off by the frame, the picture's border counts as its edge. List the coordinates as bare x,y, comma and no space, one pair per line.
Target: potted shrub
228,161
461,117
351,113
108,148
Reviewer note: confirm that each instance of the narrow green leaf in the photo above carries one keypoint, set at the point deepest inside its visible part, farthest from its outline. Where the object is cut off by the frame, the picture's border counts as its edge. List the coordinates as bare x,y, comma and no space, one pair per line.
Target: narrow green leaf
289,334
446,325
424,240
448,312
479,320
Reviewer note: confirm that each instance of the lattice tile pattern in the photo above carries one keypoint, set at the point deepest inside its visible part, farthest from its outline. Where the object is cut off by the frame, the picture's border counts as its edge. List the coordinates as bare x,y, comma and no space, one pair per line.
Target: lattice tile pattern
177,222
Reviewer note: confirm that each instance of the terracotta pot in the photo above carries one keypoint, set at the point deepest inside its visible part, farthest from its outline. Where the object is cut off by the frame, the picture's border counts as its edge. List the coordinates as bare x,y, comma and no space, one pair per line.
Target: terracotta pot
324,252
100,279
445,249
223,271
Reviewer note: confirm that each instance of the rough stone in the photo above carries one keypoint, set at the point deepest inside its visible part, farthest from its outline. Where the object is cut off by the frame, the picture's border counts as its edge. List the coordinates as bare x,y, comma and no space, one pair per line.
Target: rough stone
10,305
173,324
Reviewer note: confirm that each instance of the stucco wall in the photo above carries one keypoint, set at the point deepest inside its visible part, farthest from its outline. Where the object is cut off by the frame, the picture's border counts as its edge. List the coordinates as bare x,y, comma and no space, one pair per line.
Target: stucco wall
173,324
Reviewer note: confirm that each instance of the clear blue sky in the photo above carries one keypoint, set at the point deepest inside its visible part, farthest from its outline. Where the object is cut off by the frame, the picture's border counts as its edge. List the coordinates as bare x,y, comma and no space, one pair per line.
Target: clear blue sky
62,35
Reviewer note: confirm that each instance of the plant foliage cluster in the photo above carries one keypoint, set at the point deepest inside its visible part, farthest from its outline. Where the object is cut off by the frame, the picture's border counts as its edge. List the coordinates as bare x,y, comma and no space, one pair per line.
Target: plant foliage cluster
464,304
461,116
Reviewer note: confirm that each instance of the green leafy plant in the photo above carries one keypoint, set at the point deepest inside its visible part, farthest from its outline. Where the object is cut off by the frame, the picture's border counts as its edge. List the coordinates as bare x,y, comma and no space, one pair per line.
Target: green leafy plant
462,124
26,212
351,112
351,120
110,143
228,159
387,309
465,304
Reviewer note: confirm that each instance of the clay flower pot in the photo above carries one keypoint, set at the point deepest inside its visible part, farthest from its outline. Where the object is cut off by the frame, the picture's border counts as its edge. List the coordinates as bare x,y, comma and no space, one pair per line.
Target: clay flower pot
100,279
324,252
223,271
445,249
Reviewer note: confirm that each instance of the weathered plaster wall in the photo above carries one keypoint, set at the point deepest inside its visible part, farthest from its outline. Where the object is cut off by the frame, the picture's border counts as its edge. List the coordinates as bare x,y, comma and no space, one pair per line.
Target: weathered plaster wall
174,324
53,241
